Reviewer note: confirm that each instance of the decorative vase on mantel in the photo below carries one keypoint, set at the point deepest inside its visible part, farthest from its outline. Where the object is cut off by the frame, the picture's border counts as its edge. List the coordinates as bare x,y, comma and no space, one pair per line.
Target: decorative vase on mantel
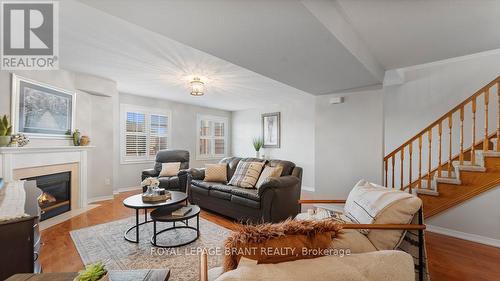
5,140
257,154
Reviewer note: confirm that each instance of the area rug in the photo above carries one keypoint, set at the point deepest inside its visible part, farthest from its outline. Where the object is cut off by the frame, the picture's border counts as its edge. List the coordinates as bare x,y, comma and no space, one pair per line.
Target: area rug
105,243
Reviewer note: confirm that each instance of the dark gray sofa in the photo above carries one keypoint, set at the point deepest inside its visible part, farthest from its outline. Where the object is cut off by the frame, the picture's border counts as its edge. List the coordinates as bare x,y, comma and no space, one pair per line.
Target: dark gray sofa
276,200
168,156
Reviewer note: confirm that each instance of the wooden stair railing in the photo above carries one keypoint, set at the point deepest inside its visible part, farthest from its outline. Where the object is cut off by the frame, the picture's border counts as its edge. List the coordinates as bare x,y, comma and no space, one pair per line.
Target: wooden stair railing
445,121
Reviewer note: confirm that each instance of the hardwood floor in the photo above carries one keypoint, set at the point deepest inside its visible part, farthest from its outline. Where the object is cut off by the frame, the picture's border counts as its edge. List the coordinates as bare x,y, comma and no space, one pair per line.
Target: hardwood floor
449,258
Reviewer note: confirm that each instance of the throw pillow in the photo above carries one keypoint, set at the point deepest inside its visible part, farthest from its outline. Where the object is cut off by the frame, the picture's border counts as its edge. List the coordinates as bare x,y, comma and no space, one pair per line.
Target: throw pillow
170,169
215,172
269,172
246,174
265,243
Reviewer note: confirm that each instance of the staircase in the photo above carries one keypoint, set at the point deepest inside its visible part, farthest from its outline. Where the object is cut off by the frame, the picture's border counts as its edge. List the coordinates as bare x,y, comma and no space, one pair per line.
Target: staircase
452,159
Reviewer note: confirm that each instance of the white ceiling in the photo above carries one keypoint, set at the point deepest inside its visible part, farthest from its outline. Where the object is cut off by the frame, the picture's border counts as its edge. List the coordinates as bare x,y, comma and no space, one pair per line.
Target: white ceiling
266,51
405,33
146,63
280,39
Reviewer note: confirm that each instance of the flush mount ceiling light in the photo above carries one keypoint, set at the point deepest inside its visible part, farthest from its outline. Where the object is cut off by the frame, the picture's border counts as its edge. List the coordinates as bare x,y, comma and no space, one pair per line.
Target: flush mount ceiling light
197,87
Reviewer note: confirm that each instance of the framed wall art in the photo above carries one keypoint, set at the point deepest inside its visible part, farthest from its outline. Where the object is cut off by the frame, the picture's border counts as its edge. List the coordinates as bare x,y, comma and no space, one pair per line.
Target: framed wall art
41,110
271,130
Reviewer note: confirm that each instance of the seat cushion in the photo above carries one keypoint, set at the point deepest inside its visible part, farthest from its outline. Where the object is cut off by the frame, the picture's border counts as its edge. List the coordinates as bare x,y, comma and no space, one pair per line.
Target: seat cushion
174,182
247,174
246,193
203,184
220,194
245,201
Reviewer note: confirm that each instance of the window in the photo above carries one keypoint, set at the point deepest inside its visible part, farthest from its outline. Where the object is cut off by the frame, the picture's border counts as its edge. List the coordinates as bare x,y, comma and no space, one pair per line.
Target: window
143,133
212,137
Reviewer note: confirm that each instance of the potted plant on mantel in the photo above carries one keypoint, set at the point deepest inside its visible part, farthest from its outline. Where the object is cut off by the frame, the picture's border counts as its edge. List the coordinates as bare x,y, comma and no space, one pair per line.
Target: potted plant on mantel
5,131
257,144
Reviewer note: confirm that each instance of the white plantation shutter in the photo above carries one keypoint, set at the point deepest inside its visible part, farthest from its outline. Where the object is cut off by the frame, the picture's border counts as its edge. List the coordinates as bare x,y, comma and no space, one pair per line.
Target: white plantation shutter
212,137
158,134
143,133
135,134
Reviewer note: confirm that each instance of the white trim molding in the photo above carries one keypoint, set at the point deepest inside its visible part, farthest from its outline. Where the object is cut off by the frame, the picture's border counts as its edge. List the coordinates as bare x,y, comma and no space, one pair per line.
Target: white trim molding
308,188
465,236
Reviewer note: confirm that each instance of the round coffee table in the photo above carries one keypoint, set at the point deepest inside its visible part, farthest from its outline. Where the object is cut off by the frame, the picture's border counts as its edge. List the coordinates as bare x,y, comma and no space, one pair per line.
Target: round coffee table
135,202
164,214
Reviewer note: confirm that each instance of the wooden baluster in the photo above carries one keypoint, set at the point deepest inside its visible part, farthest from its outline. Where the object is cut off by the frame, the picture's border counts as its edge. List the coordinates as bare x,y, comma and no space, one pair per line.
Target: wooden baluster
429,137
498,117
486,141
386,164
410,148
420,161
473,147
401,168
450,124
461,156
393,176
440,132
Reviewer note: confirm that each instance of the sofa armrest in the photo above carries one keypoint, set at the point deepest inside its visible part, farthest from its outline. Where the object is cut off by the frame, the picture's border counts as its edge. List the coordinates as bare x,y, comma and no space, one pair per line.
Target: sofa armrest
149,173
278,182
197,173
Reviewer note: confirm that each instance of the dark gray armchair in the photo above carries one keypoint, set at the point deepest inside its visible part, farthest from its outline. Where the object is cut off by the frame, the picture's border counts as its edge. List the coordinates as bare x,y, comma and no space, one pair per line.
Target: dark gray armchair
168,156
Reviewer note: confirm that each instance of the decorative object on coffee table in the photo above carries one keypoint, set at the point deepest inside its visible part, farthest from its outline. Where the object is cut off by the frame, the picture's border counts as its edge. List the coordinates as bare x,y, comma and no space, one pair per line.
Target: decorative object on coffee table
135,202
166,214
5,131
271,130
151,184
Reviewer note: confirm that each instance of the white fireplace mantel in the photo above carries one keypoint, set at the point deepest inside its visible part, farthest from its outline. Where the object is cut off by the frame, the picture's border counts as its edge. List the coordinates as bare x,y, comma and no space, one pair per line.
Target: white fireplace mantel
15,158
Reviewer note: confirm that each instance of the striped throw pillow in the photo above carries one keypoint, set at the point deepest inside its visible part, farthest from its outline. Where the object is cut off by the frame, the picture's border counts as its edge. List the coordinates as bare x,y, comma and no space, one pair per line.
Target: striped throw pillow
246,174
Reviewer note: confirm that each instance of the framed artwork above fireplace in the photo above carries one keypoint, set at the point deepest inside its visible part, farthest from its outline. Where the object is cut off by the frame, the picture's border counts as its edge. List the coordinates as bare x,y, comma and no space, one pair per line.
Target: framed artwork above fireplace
41,110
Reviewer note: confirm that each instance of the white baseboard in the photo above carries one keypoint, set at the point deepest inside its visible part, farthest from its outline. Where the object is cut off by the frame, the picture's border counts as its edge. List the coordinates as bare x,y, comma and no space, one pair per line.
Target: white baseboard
100,198
308,188
465,236
124,189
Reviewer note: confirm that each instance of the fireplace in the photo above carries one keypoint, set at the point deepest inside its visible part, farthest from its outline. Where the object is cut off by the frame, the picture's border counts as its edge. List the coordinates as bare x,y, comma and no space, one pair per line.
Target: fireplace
56,194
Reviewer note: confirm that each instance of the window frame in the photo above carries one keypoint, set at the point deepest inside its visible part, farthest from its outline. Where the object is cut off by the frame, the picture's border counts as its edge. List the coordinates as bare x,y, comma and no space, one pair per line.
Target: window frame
124,109
212,155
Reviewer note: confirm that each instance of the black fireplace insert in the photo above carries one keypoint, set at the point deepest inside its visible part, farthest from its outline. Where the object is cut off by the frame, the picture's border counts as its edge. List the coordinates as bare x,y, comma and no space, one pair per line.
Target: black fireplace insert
56,194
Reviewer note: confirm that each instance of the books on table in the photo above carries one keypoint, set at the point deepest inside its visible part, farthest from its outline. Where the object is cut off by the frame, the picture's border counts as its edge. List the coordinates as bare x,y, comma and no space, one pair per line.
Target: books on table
181,211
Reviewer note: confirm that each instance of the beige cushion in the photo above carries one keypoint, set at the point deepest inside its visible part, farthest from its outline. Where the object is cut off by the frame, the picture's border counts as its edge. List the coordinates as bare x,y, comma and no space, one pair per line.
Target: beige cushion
269,172
216,172
373,266
246,174
170,169
371,203
354,241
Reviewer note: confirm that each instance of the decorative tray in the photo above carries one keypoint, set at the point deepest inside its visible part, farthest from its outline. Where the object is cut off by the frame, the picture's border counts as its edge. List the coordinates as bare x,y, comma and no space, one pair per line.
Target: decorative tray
155,198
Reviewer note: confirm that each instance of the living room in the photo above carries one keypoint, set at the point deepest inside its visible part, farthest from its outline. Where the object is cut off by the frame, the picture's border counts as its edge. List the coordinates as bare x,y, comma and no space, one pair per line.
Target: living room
247,123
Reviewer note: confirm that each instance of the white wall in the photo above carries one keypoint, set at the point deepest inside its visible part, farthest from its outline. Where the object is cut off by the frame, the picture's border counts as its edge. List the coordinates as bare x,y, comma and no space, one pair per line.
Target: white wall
93,117
429,91
297,133
183,134
349,140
